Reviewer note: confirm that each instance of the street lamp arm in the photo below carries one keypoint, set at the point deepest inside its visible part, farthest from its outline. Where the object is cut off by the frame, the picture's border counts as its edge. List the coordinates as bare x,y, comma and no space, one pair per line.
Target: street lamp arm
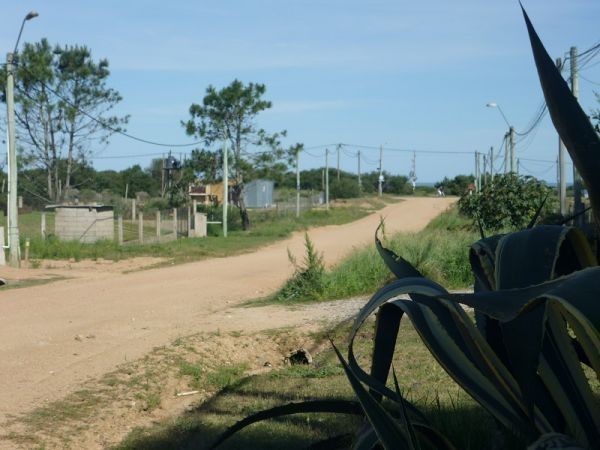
496,105
29,16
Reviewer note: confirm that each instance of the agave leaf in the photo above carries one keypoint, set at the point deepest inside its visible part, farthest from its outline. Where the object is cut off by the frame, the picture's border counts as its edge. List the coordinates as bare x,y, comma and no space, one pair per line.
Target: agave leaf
397,264
366,440
537,248
462,368
389,432
404,414
538,212
556,441
456,362
310,406
579,404
473,347
581,289
571,122
585,333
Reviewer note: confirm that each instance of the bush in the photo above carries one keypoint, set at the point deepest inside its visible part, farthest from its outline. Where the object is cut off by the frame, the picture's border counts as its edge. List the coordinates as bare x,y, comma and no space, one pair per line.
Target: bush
344,188
511,201
308,281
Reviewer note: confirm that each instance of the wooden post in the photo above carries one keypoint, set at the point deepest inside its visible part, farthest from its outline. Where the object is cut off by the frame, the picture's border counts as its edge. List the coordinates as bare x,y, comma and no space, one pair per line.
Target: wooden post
158,226
141,227
120,229
175,222
43,225
27,252
2,257
189,220
133,211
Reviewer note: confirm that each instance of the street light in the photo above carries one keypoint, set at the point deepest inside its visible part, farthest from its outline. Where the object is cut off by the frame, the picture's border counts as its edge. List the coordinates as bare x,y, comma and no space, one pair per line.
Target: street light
13,216
511,140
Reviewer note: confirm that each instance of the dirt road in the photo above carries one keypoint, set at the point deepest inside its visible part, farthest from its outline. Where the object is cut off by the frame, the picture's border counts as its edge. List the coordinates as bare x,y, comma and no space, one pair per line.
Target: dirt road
55,336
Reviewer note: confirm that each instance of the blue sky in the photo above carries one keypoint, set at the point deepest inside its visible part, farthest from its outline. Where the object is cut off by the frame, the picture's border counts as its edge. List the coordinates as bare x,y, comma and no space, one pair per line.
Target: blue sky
409,75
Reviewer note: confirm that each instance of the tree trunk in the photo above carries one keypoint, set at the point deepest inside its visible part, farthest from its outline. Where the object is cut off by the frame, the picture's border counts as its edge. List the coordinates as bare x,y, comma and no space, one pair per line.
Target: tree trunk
244,215
238,198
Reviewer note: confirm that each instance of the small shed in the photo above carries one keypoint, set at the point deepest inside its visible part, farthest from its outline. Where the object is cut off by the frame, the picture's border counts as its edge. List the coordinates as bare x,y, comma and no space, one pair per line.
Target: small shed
83,223
259,193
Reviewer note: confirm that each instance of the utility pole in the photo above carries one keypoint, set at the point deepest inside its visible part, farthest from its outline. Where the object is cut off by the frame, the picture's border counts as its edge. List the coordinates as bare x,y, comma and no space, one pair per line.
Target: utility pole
380,189
477,181
327,178
413,172
338,161
562,174
485,157
14,258
225,189
297,183
518,164
492,164
359,180
511,141
506,154
13,213
577,181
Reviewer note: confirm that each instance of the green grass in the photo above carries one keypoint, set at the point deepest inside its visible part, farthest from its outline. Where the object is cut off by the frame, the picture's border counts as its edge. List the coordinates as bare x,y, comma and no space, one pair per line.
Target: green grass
440,252
267,226
460,418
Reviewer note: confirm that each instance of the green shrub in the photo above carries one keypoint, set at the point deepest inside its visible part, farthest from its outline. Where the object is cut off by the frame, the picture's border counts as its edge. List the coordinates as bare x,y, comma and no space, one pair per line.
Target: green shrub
509,202
309,277
344,188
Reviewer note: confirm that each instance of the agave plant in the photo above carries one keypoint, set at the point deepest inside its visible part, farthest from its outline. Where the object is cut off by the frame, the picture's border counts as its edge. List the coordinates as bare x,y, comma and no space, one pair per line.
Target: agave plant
528,357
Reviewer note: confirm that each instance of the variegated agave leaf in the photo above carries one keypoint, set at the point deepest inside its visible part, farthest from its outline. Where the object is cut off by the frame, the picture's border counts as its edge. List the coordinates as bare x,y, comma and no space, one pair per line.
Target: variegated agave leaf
571,122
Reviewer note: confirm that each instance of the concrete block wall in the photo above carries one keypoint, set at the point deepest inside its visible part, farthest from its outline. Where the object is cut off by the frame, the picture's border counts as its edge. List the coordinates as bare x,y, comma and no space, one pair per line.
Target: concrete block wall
86,225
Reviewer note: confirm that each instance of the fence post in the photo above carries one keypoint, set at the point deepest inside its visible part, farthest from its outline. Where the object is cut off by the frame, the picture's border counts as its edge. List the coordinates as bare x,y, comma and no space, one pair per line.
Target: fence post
175,222
120,229
43,225
2,257
141,227
158,226
189,220
133,211
27,252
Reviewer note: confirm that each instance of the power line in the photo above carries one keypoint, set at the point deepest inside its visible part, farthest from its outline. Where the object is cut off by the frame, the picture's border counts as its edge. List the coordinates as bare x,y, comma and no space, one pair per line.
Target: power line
405,150
103,124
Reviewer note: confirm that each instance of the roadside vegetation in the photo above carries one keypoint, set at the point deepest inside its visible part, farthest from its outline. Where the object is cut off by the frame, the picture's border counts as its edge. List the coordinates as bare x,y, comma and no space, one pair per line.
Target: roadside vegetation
430,388
269,226
440,252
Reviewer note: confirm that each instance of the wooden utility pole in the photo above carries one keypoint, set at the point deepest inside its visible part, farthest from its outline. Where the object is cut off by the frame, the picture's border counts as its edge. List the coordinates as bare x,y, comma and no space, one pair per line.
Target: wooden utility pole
297,183
327,179
225,189
380,186
339,146
359,180
492,164
577,180
562,173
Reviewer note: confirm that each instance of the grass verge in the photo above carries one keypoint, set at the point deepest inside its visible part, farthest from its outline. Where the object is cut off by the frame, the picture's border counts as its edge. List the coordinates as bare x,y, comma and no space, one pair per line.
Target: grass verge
423,381
267,227
440,252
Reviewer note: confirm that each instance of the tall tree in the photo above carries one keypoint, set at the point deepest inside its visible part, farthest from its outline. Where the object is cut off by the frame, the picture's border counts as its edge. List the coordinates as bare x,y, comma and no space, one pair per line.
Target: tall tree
63,109
229,115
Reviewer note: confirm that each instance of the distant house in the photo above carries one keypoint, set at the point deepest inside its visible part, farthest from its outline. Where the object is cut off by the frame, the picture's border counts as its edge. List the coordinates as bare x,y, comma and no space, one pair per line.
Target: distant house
259,193
208,194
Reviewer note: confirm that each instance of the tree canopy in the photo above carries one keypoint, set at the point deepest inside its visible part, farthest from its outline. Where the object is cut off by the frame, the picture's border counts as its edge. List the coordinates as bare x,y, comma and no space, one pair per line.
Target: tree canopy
63,110
229,115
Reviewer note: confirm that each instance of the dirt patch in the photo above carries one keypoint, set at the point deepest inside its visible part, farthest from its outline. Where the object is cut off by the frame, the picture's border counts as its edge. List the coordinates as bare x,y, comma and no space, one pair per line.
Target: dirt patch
46,354
171,379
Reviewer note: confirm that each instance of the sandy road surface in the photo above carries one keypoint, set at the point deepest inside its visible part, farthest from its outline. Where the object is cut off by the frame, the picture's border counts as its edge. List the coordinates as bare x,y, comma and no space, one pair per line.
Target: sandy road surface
54,336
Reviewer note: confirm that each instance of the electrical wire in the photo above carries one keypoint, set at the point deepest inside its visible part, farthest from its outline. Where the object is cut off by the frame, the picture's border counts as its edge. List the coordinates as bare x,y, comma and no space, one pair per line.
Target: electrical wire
103,124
